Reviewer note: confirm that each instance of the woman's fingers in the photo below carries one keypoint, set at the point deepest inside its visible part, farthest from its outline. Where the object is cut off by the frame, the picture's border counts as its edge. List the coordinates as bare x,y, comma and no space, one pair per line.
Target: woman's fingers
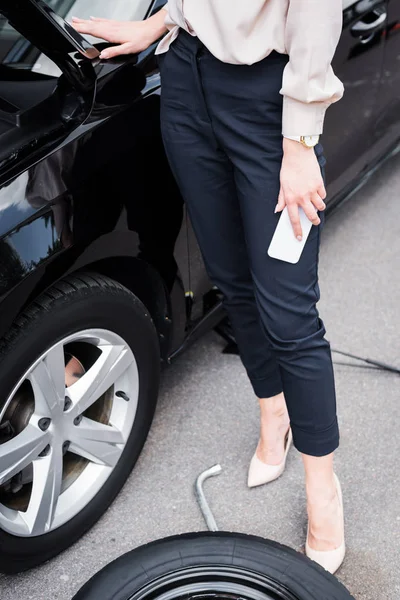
318,202
294,216
116,32
321,191
101,20
79,20
93,25
309,205
281,202
117,50
310,212
83,25
99,29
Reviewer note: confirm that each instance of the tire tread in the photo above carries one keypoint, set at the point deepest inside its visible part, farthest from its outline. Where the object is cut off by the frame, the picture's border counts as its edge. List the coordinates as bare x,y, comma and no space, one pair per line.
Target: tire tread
62,289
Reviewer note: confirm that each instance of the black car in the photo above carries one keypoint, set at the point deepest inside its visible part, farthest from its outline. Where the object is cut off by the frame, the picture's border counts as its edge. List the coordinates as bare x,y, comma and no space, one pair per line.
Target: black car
101,278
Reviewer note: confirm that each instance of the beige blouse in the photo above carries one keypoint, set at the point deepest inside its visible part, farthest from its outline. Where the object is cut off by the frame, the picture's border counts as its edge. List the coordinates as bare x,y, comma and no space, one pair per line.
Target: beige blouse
240,32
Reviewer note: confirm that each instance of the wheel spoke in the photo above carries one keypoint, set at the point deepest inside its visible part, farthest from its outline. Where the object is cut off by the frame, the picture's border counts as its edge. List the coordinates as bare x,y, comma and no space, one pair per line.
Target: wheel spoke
96,442
46,488
48,383
111,364
95,431
19,452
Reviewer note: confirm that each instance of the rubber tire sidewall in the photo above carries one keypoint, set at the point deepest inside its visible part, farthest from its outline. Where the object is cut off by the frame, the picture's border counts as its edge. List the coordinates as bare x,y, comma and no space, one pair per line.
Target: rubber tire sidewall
305,579
121,312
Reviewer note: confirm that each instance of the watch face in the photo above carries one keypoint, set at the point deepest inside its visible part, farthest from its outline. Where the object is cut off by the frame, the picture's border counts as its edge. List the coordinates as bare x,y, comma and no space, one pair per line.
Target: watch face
310,140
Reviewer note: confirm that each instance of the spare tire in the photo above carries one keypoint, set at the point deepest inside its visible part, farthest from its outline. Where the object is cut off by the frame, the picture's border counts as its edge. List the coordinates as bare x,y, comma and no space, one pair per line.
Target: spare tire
213,566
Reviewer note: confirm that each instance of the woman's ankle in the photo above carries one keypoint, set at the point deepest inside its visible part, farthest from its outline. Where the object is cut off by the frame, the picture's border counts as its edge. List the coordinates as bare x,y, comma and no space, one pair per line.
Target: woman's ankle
319,478
274,427
319,496
274,407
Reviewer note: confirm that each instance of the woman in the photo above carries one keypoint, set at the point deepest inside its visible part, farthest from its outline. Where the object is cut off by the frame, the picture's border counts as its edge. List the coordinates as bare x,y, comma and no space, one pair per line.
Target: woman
245,87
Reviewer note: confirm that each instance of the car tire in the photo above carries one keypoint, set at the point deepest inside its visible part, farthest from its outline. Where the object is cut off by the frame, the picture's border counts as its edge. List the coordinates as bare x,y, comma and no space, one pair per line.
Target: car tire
85,301
212,565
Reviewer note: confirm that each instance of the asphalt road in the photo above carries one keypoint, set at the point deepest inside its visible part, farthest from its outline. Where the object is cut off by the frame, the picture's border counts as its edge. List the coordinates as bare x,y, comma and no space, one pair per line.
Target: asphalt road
207,414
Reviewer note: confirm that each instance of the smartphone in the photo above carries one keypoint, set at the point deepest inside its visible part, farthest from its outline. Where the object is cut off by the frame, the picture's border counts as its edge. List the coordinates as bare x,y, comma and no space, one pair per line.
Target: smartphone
284,245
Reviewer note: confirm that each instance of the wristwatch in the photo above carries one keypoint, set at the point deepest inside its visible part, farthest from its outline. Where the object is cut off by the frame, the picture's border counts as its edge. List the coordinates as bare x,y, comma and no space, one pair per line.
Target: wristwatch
309,141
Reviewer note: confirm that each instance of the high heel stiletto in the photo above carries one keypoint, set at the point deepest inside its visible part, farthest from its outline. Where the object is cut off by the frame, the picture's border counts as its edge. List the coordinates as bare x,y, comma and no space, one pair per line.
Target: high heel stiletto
260,472
330,559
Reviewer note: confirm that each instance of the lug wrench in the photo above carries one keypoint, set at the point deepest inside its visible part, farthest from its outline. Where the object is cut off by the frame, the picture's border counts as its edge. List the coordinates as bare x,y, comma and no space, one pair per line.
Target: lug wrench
201,499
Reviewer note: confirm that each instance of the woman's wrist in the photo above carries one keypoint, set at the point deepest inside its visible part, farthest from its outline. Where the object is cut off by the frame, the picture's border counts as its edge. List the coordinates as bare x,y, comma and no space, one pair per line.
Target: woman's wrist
294,147
155,26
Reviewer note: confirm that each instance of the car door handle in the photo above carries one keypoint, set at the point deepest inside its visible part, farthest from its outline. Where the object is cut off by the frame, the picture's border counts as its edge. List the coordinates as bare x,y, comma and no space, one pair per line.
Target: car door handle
366,27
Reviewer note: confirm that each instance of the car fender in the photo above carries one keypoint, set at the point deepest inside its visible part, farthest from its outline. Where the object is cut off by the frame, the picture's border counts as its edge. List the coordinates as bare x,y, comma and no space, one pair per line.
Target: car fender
115,254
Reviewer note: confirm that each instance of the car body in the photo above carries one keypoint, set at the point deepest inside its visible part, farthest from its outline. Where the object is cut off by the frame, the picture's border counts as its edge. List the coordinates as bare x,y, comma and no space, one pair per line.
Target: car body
86,196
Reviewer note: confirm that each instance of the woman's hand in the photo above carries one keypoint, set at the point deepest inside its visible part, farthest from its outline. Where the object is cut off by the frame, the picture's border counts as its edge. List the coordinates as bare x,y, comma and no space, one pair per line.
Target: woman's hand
301,184
131,36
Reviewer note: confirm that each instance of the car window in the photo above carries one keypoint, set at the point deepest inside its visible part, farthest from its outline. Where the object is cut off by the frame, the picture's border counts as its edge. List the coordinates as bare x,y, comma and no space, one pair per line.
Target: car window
347,3
15,50
117,9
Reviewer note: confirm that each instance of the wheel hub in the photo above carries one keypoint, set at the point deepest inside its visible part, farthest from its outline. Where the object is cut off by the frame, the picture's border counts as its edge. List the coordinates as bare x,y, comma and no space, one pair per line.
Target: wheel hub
62,419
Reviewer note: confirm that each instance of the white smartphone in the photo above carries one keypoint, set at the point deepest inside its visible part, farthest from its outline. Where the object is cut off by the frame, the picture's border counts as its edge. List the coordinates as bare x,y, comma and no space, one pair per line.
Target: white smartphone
284,245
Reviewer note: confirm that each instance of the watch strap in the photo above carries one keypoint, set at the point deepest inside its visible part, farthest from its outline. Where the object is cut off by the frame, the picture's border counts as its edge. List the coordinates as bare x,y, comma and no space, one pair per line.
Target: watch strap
307,140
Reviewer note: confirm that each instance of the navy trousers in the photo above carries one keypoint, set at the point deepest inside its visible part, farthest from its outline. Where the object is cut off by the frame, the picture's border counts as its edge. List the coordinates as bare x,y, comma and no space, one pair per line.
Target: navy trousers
221,126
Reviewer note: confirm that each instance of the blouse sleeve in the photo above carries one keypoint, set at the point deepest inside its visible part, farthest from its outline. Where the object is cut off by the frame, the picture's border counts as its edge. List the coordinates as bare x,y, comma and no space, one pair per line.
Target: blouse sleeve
313,30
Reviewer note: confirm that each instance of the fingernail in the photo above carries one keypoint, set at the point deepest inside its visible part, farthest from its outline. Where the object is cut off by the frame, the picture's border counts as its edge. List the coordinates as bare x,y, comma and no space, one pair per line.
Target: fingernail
299,238
276,209
103,55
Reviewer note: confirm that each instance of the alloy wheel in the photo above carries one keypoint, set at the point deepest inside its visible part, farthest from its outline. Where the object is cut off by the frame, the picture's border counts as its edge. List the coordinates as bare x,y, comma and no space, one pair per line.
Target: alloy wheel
63,429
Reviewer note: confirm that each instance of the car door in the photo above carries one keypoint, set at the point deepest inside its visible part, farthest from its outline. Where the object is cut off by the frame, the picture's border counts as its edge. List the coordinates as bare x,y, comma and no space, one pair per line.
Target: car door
348,138
387,128
116,88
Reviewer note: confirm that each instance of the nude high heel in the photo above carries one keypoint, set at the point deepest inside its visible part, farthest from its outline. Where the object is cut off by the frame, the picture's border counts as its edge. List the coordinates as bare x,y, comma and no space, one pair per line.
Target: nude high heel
330,559
260,472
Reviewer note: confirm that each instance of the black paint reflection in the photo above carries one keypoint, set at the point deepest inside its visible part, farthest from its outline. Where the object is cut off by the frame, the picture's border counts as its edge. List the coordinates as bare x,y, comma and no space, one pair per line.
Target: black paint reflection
113,178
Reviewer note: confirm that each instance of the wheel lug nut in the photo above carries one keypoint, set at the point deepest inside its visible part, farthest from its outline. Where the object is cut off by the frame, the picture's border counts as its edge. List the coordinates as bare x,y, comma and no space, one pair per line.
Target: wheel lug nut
77,420
44,424
45,451
122,395
67,403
